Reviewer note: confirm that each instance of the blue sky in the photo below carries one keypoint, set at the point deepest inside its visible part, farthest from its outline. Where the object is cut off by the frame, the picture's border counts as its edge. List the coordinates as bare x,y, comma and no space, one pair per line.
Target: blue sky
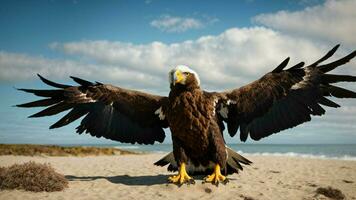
134,43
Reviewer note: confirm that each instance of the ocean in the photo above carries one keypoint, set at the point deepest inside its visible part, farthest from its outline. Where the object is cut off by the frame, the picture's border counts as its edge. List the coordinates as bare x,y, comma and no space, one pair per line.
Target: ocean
323,151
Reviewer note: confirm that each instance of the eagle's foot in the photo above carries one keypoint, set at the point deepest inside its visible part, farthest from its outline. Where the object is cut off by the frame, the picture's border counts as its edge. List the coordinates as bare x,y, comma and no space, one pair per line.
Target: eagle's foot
182,177
216,177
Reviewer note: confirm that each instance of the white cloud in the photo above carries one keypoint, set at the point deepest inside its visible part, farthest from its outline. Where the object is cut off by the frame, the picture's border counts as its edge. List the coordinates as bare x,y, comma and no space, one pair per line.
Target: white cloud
15,67
18,67
332,21
169,23
230,59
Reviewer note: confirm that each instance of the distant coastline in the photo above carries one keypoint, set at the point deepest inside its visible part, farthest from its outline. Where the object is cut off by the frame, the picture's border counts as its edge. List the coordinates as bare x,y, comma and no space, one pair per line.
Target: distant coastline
57,150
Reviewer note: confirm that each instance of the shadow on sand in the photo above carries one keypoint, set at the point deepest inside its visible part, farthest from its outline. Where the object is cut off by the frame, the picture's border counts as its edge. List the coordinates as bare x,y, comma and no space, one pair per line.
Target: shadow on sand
132,180
124,179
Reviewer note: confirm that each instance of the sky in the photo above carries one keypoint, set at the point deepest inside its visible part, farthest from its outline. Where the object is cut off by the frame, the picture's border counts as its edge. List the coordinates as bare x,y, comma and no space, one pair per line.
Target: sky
133,44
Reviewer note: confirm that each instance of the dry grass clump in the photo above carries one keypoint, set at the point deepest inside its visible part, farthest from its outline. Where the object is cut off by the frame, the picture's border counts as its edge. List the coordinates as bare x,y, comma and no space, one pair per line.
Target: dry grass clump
2,175
331,193
33,177
53,150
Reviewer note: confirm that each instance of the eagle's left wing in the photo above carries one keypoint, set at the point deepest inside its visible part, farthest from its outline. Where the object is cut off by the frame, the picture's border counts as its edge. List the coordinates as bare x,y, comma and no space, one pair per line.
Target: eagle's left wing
283,99
111,112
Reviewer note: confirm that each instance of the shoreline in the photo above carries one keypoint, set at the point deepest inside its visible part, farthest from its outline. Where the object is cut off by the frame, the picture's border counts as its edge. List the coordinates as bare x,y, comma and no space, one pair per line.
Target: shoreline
122,149
304,156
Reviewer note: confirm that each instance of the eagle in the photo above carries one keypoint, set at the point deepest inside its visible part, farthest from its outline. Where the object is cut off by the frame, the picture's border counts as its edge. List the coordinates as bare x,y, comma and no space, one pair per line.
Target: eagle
281,99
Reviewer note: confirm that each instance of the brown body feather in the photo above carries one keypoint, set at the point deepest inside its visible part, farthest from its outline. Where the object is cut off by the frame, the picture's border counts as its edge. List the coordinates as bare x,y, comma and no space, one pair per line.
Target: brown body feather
195,132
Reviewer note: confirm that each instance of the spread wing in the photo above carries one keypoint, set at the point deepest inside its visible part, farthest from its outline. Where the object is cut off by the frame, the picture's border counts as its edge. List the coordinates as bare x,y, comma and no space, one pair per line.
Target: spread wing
110,112
283,99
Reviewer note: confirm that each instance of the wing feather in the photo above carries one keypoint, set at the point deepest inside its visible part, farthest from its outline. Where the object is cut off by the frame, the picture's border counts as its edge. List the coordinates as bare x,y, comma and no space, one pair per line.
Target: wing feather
111,112
51,83
39,103
53,110
281,66
283,99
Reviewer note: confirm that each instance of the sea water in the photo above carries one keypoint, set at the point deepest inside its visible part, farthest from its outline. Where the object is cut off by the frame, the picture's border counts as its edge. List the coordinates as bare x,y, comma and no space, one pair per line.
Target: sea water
323,151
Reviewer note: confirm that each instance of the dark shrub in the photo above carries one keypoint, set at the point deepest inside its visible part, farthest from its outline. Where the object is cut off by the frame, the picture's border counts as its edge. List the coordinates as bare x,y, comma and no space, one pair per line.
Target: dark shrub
331,193
32,176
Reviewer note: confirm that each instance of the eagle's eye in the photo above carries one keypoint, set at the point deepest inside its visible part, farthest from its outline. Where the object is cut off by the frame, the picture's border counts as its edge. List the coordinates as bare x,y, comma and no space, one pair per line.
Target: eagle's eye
186,73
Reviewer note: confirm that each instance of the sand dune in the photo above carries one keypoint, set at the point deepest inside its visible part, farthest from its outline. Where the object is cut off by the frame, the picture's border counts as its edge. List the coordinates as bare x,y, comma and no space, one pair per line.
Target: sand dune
135,177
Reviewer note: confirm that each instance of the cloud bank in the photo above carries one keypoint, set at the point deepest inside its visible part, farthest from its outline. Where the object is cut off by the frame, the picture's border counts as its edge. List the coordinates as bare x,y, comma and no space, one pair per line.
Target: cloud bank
228,60
231,59
331,21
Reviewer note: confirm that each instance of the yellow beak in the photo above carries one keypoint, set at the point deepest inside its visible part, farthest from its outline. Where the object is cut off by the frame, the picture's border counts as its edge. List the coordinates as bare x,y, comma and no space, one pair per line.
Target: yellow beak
178,77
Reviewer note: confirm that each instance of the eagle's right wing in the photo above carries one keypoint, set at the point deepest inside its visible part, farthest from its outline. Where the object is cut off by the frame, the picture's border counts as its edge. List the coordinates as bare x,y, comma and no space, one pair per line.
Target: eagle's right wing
111,112
283,99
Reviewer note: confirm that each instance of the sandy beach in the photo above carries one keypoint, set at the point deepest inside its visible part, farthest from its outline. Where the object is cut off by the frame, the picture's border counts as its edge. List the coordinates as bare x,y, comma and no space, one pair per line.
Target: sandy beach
135,177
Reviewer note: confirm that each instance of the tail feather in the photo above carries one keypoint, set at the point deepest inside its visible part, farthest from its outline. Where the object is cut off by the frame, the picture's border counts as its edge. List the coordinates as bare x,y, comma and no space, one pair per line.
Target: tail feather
168,159
233,164
237,156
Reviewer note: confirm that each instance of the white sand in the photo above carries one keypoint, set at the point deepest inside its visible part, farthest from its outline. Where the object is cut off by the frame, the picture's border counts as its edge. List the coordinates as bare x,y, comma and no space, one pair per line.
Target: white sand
135,177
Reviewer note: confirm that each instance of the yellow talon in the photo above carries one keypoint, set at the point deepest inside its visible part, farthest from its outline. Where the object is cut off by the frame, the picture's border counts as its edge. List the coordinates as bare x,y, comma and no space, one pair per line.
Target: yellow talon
182,176
216,177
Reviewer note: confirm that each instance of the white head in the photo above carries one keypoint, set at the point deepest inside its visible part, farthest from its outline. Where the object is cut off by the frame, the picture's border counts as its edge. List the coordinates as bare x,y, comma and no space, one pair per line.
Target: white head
179,73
